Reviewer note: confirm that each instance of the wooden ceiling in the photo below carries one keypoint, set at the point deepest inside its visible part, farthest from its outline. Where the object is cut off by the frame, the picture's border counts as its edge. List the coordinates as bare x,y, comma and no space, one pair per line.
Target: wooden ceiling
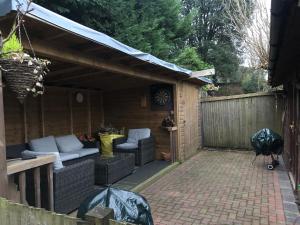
71,75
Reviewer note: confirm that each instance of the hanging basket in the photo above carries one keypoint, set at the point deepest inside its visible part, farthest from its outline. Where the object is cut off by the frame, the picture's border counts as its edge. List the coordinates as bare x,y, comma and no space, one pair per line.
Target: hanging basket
24,76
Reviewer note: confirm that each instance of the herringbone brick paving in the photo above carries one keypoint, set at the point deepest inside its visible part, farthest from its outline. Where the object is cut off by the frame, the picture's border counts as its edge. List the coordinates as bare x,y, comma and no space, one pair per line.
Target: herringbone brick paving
217,187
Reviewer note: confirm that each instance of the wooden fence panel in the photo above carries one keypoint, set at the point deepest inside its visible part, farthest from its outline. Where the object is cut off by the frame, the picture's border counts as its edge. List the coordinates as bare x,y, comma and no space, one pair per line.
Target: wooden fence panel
229,122
17,214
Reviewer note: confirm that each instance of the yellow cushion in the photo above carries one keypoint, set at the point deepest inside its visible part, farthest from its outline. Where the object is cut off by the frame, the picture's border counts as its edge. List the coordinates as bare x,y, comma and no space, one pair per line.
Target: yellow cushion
106,143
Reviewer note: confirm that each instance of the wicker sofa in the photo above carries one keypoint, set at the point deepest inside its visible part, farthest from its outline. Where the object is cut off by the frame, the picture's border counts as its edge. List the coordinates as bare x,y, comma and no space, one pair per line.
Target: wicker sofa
140,142
75,180
71,184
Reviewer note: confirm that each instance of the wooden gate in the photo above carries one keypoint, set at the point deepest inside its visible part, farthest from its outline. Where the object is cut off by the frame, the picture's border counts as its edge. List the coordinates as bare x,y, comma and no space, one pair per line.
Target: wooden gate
229,122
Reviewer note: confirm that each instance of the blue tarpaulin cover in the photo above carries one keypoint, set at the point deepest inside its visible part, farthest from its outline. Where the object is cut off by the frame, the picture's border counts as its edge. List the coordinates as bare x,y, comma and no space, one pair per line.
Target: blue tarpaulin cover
54,19
127,206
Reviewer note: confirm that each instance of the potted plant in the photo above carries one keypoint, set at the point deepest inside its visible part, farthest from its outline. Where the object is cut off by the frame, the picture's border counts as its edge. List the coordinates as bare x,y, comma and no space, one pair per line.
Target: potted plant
23,73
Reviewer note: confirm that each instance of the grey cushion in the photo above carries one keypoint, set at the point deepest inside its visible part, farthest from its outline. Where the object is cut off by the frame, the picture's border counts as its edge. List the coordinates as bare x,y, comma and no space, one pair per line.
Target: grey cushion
134,135
68,156
57,164
127,146
46,144
87,151
68,143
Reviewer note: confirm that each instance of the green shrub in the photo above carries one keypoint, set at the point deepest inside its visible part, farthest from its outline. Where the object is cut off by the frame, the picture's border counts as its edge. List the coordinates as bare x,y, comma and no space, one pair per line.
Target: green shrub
13,45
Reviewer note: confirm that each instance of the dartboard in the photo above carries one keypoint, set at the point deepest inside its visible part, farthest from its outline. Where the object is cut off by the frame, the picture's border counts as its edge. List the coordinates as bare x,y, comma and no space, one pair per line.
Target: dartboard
162,97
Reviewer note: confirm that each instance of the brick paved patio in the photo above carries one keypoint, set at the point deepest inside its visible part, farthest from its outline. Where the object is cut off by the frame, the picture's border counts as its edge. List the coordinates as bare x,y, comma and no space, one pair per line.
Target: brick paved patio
218,188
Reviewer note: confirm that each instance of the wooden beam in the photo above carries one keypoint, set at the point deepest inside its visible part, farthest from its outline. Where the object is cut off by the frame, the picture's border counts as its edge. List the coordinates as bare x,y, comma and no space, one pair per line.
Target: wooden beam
55,36
222,98
79,58
18,165
64,71
3,167
75,77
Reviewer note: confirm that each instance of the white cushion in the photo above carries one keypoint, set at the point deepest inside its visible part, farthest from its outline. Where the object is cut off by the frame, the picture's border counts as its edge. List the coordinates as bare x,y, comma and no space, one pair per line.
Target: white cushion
68,156
127,146
68,143
46,144
57,164
134,135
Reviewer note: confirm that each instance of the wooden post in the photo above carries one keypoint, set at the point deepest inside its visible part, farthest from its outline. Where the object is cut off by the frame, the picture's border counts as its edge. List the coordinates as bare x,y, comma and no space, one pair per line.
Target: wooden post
25,121
22,186
43,115
102,109
177,119
37,186
71,111
89,117
99,216
3,169
50,186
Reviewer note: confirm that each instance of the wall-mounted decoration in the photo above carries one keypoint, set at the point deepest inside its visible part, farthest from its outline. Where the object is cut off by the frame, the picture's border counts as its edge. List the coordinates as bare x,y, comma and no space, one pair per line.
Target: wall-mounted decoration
161,97
79,97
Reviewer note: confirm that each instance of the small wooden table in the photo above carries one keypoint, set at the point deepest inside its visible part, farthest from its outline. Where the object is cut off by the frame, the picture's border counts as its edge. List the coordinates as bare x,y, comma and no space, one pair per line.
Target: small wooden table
19,166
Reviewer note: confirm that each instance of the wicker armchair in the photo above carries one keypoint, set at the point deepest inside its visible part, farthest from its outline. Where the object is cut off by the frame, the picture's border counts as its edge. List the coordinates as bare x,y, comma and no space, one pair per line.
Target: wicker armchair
144,150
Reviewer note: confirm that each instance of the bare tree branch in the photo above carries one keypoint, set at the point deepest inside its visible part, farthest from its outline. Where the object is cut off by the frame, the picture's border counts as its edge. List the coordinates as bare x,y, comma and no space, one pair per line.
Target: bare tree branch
254,29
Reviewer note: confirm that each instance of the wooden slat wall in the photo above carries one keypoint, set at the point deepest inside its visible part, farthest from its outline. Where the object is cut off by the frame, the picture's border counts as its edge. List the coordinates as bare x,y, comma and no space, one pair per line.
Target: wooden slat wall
53,112
123,109
97,114
33,115
13,115
229,122
57,112
80,115
188,121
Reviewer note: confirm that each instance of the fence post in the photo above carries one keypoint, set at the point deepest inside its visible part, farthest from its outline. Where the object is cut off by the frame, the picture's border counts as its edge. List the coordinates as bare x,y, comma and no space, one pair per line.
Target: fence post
3,168
99,216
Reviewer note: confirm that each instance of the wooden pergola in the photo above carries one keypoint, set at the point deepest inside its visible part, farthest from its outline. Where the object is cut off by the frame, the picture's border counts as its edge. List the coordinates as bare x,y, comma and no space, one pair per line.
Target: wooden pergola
80,63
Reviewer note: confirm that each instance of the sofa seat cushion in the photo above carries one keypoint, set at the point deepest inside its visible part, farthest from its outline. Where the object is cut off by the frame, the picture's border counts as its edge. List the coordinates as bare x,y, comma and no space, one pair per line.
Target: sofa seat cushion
68,143
46,144
68,156
57,164
127,146
86,151
134,135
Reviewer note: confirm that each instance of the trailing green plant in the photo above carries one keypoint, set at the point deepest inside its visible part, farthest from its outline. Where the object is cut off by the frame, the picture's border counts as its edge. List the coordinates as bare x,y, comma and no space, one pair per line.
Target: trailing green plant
12,45
23,74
